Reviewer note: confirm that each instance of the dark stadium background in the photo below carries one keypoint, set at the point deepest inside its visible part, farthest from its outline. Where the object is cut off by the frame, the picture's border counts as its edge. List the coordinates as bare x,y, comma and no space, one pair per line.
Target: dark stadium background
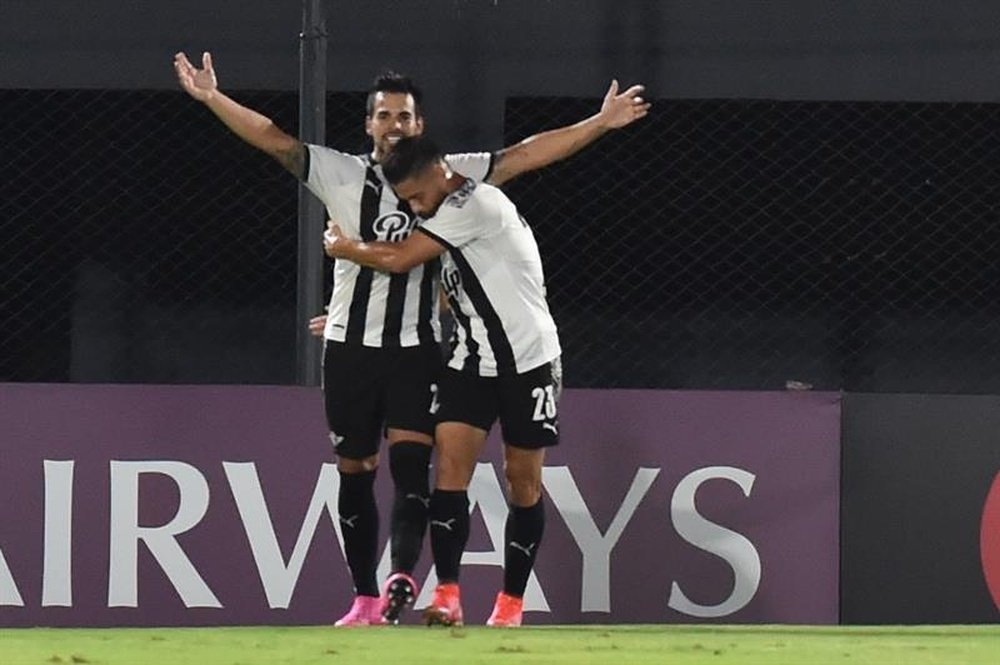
811,204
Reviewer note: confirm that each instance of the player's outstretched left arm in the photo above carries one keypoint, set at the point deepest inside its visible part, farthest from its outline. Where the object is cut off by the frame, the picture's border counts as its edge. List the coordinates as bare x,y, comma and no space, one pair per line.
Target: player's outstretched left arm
534,152
396,257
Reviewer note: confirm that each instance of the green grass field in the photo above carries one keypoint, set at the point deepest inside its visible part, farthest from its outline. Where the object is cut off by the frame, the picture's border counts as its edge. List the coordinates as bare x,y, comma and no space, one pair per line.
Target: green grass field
563,645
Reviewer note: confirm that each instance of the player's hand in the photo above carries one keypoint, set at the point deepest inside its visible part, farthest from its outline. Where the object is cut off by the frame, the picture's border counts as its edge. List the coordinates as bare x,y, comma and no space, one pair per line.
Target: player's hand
333,239
620,109
317,325
199,83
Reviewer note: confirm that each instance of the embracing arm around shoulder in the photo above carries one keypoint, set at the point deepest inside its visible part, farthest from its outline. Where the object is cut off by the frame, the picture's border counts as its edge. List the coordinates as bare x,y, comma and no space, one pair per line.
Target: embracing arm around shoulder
398,257
534,152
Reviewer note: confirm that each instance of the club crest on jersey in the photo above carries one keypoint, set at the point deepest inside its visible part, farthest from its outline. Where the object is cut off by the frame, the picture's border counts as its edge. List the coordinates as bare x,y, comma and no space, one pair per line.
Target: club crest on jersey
393,226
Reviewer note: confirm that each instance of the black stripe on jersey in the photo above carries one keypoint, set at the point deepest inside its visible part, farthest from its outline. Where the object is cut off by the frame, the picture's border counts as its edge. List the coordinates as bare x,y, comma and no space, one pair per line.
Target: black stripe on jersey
436,238
396,298
497,336
371,194
306,162
425,331
471,363
489,168
394,302
432,269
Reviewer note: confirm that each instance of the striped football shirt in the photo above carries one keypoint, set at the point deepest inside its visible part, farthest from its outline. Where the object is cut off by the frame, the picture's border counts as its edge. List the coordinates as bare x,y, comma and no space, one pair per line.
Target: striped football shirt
368,307
492,273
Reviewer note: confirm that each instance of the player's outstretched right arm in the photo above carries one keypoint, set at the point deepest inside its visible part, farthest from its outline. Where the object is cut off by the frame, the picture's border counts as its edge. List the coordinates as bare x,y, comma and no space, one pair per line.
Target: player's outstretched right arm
256,129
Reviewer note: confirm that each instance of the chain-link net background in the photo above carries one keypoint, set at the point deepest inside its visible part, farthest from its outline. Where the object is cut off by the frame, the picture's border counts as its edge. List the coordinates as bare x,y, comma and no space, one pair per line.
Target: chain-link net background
142,241
762,244
715,244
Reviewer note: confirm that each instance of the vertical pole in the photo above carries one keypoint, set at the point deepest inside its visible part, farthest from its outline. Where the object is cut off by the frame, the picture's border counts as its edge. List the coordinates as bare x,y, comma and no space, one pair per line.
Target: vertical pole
312,129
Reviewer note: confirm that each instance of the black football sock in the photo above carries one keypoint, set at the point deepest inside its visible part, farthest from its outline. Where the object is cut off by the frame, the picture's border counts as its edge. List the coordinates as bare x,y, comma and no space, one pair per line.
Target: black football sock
449,525
523,535
409,463
359,524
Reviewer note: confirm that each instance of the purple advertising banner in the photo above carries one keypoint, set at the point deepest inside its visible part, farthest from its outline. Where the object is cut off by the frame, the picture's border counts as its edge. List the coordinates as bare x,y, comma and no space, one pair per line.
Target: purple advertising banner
215,505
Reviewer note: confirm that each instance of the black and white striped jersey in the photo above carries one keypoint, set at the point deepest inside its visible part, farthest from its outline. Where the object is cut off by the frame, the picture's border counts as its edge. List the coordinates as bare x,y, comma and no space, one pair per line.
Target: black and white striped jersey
492,273
368,307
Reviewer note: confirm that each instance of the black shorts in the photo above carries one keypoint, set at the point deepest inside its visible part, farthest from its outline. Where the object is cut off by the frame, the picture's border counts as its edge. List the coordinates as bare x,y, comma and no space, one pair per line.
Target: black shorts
368,390
527,405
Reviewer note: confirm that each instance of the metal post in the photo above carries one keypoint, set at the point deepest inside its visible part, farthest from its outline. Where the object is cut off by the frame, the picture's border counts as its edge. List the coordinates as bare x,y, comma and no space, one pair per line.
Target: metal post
312,129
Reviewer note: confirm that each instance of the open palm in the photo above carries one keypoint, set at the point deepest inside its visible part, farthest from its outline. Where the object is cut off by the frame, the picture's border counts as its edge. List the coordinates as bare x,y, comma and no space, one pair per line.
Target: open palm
620,109
199,83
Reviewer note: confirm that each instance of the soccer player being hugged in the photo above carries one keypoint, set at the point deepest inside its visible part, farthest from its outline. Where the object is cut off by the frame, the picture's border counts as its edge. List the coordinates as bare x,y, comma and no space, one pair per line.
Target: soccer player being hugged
381,330
504,364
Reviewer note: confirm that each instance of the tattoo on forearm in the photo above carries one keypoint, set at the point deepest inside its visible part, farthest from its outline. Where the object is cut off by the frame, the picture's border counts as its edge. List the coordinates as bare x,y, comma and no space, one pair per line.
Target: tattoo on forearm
293,159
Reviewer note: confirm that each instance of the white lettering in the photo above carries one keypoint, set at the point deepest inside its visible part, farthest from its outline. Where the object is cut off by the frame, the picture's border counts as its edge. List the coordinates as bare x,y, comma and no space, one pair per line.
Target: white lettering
9,595
57,576
733,548
162,540
595,595
277,577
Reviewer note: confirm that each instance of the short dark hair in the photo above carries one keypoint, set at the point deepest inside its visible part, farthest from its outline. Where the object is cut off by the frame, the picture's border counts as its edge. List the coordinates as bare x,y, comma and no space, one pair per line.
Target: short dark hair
409,156
390,81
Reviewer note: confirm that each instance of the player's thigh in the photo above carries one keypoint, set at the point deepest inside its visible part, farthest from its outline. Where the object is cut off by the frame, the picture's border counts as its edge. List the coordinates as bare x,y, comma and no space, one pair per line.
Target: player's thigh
412,392
467,411
467,398
529,407
353,387
458,446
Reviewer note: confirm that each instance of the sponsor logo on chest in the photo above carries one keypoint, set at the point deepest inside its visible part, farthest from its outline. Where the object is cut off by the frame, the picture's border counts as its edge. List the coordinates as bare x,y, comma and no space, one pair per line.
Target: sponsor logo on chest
394,226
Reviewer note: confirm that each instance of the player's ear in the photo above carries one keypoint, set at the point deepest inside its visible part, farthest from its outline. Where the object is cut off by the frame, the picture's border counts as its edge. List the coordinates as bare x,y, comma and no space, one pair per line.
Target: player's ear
420,124
368,125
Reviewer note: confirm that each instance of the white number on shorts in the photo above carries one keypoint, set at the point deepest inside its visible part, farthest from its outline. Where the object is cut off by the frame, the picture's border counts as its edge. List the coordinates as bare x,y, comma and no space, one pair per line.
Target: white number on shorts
545,403
435,404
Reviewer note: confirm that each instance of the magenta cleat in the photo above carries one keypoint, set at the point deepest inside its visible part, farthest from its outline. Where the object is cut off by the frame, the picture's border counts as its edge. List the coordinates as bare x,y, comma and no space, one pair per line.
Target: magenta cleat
400,592
365,611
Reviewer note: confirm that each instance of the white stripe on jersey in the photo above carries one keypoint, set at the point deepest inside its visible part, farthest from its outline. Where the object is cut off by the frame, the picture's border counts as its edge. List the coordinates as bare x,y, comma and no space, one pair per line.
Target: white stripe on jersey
411,305
493,275
344,183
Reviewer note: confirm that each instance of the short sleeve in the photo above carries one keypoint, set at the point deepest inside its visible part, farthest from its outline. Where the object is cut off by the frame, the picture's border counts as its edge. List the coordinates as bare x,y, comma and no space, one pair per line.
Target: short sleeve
327,168
461,219
475,165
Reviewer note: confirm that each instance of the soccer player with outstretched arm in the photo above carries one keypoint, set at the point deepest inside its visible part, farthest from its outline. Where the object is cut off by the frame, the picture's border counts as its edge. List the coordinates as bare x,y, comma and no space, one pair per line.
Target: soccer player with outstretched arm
386,325
504,364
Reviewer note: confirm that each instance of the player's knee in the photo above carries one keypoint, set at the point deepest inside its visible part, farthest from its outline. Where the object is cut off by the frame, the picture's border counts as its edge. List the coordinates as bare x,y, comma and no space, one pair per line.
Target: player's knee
452,472
409,463
525,495
351,465
524,484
